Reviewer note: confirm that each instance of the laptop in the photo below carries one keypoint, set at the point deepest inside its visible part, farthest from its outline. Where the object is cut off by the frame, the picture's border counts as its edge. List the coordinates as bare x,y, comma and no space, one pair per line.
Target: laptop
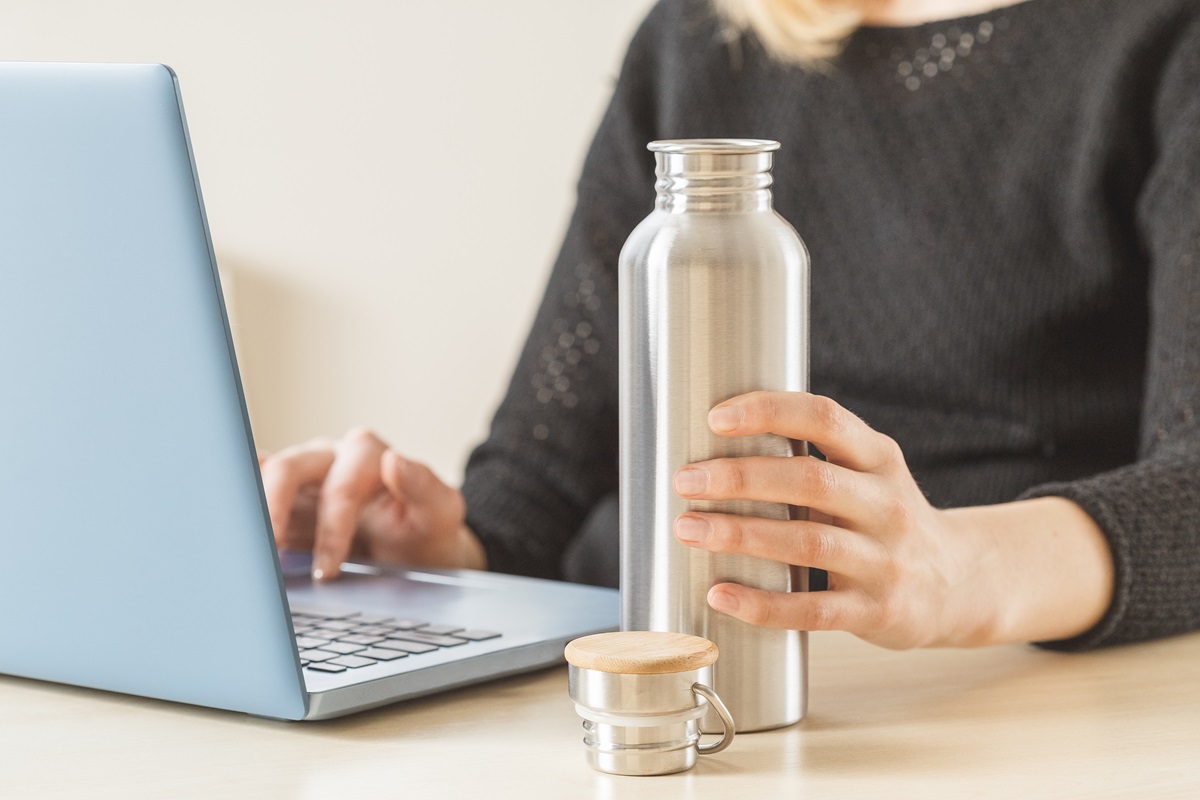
135,548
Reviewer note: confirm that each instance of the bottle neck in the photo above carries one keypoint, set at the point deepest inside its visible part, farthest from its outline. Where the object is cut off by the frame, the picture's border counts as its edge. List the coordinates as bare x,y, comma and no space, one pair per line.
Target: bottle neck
717,180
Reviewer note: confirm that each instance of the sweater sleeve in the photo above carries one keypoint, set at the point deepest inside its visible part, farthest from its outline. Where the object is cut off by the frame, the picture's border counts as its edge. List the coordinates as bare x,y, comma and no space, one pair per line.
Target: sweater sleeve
551,454
1150,510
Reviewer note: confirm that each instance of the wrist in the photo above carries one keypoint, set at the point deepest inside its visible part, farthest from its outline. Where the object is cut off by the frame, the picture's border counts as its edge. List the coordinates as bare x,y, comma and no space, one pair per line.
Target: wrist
471,554
1036,570
976,608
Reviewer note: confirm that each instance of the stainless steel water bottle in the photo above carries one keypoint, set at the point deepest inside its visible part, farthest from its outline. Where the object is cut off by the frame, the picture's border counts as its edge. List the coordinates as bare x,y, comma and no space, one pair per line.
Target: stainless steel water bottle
713,303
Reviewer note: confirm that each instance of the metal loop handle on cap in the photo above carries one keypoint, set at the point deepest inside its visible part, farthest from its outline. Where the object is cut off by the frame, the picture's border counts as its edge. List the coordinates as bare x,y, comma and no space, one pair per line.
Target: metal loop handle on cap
726,721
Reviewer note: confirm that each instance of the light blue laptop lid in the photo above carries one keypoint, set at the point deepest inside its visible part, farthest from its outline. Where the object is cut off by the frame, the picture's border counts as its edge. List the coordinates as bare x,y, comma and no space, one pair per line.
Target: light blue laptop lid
135,551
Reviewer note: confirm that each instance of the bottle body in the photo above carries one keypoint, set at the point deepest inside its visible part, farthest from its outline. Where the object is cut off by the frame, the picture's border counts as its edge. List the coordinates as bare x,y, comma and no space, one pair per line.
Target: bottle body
713,304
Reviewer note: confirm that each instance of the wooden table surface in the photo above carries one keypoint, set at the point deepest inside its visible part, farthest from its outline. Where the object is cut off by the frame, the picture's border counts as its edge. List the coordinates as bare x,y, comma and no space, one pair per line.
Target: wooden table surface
1011,722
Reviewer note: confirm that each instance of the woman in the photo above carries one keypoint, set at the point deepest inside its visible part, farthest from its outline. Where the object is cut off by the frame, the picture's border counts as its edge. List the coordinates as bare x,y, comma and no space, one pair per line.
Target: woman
1001,200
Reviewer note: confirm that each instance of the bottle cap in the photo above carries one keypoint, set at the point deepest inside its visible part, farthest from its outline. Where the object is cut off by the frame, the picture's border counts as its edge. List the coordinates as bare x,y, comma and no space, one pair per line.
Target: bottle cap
641,652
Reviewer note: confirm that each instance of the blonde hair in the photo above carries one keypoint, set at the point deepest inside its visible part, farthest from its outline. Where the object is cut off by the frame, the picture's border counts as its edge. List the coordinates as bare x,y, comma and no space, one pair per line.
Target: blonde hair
804,32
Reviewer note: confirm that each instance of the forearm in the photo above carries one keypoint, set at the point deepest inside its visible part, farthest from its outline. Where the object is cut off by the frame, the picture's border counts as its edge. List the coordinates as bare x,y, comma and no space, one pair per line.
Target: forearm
1034,570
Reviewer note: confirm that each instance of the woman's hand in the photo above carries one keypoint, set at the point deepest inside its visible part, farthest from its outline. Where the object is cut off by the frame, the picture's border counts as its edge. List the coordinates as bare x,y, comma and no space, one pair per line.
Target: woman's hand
901,572
357,495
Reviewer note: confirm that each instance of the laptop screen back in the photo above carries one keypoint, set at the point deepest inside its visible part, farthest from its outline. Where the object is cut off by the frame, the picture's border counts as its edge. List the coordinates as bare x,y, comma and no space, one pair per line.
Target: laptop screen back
135,549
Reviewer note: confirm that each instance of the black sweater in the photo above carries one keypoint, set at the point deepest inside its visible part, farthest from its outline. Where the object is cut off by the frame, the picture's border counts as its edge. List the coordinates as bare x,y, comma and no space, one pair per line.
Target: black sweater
1003,213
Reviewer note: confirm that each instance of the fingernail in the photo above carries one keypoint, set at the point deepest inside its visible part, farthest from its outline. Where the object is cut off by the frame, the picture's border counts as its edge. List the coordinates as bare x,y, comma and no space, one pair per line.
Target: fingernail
693,529
726,418
318,574
691,481
724,602
323,572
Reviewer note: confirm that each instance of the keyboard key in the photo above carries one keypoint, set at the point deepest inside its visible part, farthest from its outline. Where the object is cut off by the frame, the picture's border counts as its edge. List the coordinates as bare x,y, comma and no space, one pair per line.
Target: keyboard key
407,647
332,640
376,630
323,613
353,662
408,624
380,654
428,638
358,638
337,625
306,642
440,630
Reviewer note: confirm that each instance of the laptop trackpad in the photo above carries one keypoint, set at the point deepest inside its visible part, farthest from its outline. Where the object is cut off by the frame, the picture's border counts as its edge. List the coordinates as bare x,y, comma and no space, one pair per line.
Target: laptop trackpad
378,587
298,564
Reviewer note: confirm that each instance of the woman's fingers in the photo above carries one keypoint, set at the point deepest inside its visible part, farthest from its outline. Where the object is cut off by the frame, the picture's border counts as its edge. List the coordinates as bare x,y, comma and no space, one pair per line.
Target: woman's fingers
433,512
891,556
806,544
802,481
364,495
436,508
803,611
351,482
841,436
392,473
283,475
413,482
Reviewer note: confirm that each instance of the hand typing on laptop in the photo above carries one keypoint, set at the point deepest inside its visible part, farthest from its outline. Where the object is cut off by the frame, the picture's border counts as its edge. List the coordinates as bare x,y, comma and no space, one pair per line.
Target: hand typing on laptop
357,495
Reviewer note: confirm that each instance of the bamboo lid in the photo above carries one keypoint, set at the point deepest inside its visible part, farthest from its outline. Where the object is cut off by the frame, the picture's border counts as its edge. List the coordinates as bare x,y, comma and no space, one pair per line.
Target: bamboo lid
641,652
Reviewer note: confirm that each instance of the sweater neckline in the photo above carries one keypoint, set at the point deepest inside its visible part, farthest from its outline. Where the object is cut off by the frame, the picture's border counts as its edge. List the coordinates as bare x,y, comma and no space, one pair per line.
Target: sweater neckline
922,27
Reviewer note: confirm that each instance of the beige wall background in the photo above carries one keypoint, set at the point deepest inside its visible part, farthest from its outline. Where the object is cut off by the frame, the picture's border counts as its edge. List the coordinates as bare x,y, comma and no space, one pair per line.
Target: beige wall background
386,183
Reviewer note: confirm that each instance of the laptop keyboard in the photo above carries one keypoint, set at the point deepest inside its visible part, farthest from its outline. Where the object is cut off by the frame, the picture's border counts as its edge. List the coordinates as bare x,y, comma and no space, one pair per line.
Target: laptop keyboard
335,641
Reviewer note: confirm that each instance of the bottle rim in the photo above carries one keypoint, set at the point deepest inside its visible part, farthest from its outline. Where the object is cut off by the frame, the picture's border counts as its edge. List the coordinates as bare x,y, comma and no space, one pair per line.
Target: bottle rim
716,146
